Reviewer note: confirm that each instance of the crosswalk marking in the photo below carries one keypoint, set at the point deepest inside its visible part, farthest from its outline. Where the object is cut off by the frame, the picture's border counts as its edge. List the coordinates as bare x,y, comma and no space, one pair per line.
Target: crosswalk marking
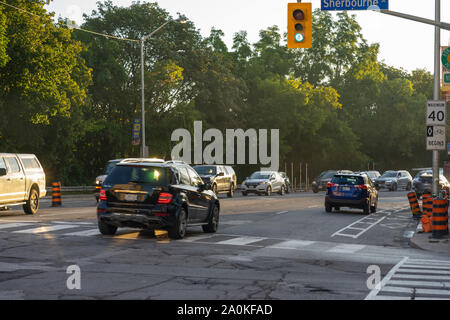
46,229
241,240
84,233
346,248
292,244
13,225
416,279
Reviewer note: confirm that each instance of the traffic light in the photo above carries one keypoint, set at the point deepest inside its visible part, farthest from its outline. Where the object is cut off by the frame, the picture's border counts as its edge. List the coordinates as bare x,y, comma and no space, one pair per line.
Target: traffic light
299,25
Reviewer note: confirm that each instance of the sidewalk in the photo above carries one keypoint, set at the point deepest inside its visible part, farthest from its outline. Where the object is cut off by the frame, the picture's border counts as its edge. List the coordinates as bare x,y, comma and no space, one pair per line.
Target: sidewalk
421,240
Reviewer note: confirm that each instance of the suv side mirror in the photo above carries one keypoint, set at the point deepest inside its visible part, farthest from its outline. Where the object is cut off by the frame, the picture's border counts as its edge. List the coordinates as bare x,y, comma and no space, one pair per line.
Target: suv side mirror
2,171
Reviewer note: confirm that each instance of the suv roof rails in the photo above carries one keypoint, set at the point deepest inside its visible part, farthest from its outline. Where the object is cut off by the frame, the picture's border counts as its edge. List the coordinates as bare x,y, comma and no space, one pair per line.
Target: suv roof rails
140,160
175,161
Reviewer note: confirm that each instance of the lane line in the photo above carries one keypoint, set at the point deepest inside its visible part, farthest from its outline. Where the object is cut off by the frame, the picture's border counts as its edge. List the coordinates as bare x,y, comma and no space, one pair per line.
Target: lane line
421,277
84,233
424,271
292,244
442,285
346,248
418,266
281,212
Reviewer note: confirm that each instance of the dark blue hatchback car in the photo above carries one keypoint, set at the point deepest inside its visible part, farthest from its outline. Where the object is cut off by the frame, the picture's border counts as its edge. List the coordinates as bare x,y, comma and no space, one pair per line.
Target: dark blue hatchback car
353,191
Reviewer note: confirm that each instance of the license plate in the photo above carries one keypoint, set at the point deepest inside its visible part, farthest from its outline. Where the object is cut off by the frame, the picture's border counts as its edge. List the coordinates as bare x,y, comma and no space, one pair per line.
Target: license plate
345,188
339,194
130,197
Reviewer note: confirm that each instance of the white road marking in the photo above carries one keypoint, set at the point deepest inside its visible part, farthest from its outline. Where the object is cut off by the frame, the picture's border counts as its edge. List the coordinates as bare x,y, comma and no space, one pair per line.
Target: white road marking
423,271
240,241
383,282
84,233
195,238
419,266
390,298
281,212
376,220
421,283
421,261
46,229
292,244
421,277
346,248
13,225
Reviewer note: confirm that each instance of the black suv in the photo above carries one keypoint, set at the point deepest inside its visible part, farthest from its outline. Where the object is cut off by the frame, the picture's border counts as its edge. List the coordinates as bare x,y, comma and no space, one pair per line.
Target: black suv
221,178
168,195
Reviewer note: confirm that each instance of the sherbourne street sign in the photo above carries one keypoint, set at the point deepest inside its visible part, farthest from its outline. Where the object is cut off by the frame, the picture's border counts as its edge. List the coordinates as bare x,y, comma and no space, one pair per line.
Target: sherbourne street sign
333,5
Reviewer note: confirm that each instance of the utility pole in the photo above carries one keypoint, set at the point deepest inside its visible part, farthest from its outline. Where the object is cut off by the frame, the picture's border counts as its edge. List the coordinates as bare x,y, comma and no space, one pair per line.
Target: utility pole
436,88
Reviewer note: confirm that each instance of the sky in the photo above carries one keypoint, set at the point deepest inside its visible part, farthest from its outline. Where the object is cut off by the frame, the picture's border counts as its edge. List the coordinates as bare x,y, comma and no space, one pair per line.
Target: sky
403,43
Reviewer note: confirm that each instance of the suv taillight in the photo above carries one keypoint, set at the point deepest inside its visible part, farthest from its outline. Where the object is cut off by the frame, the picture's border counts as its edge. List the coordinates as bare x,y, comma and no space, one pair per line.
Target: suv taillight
102,196
363,186
164,198
331,184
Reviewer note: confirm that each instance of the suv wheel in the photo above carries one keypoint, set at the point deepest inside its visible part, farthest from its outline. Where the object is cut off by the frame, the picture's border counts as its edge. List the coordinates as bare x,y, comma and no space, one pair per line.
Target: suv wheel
408,187
106,229
230,193
268,191
32,204
178,231
213,222
373,208
244,194
366,207
328,207
282,191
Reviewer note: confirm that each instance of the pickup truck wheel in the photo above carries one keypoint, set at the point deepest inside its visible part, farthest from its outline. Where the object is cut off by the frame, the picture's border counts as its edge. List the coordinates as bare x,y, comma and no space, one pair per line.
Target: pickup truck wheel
106,229
32,204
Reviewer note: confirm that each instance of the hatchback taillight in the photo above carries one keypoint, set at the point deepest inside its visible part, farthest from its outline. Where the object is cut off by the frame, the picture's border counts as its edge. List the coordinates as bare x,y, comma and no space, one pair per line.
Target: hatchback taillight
164,198
102,196
363,186
330,184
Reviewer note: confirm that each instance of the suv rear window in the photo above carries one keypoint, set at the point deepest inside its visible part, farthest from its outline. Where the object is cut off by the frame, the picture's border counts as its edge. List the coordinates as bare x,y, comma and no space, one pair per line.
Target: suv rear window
206,170
348,180
30,163
153,176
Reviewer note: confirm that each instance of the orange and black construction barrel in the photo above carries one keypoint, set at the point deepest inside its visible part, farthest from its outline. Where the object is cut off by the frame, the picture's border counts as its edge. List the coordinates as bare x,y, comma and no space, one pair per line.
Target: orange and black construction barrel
427,204
414,204
56,194
439,222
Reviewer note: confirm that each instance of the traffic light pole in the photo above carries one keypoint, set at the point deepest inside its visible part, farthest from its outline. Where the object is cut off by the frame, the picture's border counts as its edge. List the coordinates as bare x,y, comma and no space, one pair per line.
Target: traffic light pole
437,69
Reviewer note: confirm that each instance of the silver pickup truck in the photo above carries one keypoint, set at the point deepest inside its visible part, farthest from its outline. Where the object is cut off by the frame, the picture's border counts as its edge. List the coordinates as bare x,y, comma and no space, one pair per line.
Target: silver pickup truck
22,181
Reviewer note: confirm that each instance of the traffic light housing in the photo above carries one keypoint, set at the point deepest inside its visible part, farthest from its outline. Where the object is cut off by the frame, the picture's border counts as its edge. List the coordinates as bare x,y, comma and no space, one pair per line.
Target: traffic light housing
299,25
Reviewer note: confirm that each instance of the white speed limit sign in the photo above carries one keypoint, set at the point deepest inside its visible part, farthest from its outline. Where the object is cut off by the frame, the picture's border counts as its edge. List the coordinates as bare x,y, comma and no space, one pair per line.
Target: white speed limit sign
436,113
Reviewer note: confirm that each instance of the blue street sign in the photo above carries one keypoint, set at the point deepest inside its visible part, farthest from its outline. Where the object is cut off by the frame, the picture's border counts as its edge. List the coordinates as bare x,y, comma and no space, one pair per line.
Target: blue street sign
333,5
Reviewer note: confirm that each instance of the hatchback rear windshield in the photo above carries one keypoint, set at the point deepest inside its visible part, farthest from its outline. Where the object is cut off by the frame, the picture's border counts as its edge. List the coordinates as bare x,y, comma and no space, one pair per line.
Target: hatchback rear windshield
348,180
148,175
205,170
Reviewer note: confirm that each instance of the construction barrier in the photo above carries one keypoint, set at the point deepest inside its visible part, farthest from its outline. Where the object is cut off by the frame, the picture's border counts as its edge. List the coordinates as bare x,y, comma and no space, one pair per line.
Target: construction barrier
414,204
56,194
427,204
439,222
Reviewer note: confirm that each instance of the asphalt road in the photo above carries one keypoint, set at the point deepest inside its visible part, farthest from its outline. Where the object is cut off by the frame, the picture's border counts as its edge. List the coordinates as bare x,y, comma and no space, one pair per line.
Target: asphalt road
277,247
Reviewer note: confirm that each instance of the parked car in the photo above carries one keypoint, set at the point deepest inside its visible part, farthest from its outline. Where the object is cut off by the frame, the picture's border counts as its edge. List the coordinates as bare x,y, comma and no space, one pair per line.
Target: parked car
264,182
22,181
321,182
351,190
169,195
287,182
221,178
392,180
373,175
423,182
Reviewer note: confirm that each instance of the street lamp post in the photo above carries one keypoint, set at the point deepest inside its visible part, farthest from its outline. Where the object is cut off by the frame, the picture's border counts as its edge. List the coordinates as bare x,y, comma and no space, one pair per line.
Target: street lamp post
143,39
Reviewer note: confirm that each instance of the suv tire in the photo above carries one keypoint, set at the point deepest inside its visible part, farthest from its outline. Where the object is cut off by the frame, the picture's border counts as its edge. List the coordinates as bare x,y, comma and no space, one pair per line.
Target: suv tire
244,194
268,191
32,204
178,231
366,207
328,207
106,229
282,191
408,187
213,221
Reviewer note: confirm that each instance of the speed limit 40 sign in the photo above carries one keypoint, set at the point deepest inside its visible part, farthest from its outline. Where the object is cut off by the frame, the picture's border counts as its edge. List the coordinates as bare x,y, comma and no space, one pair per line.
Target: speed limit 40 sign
436,113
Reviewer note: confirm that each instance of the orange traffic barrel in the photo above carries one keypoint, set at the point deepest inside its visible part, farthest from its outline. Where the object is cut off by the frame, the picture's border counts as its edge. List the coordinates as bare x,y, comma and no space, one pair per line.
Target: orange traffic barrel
56,194
427,204
414,204
439,222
